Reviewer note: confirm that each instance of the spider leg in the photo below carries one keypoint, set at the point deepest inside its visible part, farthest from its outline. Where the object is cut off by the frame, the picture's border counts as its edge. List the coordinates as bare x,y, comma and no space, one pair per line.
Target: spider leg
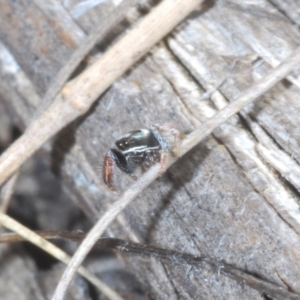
167,130
133,176
107,171
115,157
164,157
143,168
158,157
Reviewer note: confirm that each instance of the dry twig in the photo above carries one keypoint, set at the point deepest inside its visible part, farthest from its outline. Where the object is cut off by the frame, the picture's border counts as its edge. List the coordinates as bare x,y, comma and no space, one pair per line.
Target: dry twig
79,54
7,191
187,144
54,251
79,94
260,284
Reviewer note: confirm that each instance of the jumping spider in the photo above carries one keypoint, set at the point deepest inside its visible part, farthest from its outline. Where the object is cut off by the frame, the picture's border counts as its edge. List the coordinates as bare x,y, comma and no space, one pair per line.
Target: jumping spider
142,147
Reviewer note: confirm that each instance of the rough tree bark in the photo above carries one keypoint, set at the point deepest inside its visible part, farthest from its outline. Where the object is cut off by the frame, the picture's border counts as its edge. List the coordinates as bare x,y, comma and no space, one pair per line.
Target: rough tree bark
235,196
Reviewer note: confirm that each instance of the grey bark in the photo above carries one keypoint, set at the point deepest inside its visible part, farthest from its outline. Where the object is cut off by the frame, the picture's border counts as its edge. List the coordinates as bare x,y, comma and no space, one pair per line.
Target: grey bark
236,195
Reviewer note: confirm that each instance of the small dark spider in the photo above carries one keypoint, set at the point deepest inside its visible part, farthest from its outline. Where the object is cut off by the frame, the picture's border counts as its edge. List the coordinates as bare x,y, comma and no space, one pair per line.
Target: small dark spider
142,147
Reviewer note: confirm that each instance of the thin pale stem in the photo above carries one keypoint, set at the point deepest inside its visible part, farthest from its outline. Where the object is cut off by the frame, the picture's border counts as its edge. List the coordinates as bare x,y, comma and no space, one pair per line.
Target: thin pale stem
256,282
106,25
48,247
80,93
7,191
187,144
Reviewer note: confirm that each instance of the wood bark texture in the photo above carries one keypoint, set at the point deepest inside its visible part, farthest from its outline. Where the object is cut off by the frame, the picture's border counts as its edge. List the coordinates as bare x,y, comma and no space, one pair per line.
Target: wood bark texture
234,197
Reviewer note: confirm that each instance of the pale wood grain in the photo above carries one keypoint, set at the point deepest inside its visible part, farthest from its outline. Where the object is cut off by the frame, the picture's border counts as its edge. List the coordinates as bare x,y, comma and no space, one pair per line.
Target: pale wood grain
217,198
